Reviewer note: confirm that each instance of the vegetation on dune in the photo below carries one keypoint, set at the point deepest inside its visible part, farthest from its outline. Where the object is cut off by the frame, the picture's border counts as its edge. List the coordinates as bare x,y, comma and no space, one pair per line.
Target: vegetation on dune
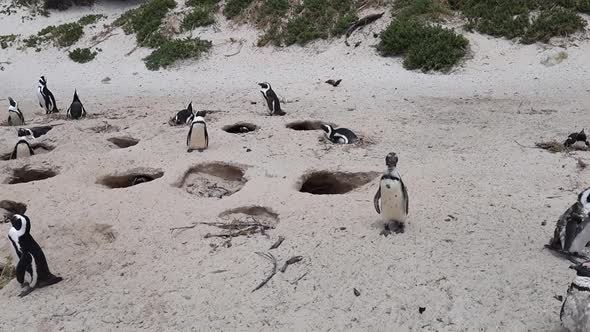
201,13
82,55
90,19
65,4
234,8
6,41
62,35
177,49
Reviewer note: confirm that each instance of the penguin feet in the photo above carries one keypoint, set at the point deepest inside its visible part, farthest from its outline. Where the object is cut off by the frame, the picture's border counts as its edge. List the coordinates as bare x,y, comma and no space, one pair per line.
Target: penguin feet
26,292
189,150
571,256
393,227
48,282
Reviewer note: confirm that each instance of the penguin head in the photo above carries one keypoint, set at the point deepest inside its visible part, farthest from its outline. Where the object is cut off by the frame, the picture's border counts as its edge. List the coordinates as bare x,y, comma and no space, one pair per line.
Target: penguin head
584,198
12,102
42,81
391,160
22,132
264,86
198,119
190,107
328,129
21,223
582,269
76,96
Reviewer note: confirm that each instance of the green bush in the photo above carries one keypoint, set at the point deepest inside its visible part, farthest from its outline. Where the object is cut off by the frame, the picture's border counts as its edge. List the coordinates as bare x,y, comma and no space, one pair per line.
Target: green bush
198,17
172,50
90,19
202,3
553,22
62,35
234,8
82,55
6,41
271,9
145,21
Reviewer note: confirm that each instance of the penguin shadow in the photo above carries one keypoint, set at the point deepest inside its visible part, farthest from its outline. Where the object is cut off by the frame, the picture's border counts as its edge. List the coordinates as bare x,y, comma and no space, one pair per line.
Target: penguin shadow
212,180
334,183
130,178
123,142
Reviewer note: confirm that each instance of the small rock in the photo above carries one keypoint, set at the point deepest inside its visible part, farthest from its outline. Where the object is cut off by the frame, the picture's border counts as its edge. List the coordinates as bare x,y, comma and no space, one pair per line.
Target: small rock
356,292
543,223
554,58
421,309
106,80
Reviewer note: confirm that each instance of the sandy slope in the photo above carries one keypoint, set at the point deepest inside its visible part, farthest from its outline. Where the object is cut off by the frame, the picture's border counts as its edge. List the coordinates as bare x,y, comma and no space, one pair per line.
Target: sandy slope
484,270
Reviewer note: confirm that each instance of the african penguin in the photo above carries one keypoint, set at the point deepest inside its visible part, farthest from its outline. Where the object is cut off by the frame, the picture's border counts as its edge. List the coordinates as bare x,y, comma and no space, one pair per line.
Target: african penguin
185,116
572,232
76,109
33,132
339,135
31,270
22,149
274,105
391,199
575,311
46,99
197,138
15,116
577,137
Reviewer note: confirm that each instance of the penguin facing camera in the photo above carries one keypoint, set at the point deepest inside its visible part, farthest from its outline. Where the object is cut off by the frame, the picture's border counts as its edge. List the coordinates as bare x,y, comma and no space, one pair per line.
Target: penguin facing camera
572,232
197,138
391,200
46,98
339,135
575,310
32,270
22,149
272,100
15,116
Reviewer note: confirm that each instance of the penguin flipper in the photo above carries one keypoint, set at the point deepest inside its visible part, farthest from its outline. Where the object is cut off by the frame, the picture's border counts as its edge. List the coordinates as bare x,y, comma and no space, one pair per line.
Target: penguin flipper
21,268
376,200
83,111
68,112
206,137
31,151
21,117
188,137
406,197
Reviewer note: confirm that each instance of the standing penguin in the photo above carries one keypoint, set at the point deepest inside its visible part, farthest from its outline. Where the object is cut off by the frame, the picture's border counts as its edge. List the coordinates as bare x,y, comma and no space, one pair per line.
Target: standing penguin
46,99
572,232
22,149
31,270
76,109
274,105
391,199
15,116
339,135
197,138
185,116
575,311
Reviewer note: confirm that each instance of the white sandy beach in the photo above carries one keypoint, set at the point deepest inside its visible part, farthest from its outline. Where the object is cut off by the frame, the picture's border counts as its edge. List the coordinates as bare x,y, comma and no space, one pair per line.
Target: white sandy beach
482,269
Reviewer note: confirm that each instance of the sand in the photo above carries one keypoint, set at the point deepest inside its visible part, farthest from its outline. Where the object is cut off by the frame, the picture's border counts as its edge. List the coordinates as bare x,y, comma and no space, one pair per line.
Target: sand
481,206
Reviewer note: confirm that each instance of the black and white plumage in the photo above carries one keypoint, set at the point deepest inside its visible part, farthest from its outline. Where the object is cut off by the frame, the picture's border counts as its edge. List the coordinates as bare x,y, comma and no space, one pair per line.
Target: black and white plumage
391,200
15,116
76,109
22,149
577,137
46,99
197,138
575,311
339,135
272,100
32,270
572,232
34,132
186,116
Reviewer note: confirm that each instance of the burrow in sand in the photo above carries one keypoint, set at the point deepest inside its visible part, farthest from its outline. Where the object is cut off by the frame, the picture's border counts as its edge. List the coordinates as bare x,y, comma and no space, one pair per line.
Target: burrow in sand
240,128
103,128
13,207
123,142
130,178
38,148
213,179
334,183
307,125
29,173
253,213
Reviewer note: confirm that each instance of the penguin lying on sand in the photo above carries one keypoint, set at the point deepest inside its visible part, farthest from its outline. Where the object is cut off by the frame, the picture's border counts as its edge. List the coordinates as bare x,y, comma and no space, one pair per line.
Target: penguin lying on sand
184,117
15,116
34,132
274,105
31,268
339,135
46,98
197,138
575,311
391,200
572,232
22,149
577,137
76,109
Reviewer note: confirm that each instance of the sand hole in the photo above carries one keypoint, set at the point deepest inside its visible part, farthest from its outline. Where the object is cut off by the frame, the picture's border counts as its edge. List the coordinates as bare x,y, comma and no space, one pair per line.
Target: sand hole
213,180
29,174
13,207
334,183
254,213
240,128
103,128
130,178
123,142
306,125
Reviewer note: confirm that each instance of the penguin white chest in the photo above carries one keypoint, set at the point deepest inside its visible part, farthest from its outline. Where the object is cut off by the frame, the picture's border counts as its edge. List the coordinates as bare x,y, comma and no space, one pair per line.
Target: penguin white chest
22,151
40,97
393,205
14,119
198,139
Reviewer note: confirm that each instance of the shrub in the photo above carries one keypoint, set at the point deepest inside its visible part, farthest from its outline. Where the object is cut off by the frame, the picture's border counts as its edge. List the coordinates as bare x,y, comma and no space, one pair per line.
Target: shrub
62,35
82,55
553,22
198,17
145,21
234,8
271,9
177,49
65,4
6,41
90,19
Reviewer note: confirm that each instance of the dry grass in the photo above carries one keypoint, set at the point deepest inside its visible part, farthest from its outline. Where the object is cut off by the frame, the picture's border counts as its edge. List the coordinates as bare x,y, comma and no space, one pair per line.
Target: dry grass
7,272
551,146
